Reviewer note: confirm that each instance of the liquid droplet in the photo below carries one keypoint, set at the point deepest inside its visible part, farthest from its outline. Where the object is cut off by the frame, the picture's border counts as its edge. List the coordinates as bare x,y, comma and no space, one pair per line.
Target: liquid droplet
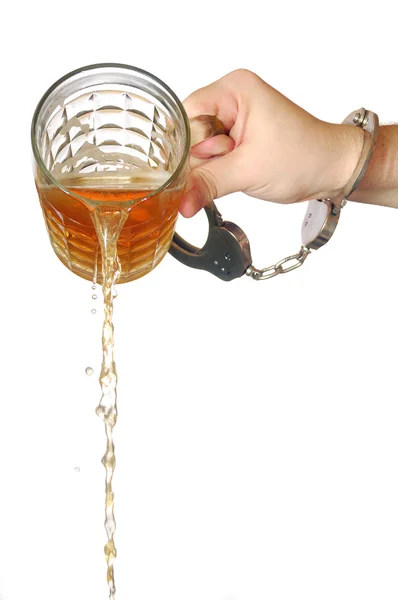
77,469
89,370
94,296
94,287
93,310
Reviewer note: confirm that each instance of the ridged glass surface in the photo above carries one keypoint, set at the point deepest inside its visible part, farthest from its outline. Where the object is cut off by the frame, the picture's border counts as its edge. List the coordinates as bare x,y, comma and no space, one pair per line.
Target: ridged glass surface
113,148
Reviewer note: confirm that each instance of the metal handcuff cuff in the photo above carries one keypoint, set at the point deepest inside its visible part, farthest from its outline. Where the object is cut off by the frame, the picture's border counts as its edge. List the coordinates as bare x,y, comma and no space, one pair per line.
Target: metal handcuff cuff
226,252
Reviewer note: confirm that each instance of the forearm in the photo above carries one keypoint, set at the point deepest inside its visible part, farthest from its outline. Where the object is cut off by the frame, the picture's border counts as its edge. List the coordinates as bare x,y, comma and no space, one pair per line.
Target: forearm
380,182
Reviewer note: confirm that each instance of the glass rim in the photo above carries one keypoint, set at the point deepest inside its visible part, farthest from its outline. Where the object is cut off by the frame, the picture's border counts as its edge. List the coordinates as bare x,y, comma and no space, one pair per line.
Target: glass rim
159,82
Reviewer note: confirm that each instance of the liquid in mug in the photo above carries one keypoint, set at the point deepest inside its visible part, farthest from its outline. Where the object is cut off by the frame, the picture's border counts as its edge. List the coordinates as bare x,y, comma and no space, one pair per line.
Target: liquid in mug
145,235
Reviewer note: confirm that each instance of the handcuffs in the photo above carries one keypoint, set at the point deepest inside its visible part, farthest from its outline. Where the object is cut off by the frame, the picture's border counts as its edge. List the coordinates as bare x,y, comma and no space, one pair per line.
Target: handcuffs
226,253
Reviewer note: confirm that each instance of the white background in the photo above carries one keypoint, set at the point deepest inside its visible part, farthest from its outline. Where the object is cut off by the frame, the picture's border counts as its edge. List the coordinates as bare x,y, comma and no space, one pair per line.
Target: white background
257,438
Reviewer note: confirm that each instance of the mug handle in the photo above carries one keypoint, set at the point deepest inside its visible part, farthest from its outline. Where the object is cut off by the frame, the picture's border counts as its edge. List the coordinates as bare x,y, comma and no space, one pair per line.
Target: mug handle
226,253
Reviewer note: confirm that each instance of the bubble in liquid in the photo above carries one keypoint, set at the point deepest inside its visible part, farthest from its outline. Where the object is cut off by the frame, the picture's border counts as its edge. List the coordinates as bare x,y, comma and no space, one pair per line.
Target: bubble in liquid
93,310
77,469
94,296
89,370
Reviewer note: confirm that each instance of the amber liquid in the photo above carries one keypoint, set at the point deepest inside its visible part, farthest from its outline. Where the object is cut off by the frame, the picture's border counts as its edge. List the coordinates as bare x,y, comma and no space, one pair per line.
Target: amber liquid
144,238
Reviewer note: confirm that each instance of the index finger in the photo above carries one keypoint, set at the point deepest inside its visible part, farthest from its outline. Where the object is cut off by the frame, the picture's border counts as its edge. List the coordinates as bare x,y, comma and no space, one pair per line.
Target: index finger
214,99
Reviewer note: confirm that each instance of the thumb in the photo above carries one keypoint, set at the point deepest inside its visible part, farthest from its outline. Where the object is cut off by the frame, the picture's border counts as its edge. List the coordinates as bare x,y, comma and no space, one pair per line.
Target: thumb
215,178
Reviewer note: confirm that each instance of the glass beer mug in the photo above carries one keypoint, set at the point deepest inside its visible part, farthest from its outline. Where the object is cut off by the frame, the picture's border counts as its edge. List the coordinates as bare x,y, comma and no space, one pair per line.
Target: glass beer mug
112,136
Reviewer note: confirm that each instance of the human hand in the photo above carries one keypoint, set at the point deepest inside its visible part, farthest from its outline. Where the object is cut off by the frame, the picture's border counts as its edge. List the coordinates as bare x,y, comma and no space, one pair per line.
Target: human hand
274,149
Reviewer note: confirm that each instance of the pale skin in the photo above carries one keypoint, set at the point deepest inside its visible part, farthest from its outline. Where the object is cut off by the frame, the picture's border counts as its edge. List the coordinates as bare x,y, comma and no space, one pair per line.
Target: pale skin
276,151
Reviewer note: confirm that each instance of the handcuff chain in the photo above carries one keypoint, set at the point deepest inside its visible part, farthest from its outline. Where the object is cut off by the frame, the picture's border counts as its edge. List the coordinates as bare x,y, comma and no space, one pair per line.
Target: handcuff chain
279,268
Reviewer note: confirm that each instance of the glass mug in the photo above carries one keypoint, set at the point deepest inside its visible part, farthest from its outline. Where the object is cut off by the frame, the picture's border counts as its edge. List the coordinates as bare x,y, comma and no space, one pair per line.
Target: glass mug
112,137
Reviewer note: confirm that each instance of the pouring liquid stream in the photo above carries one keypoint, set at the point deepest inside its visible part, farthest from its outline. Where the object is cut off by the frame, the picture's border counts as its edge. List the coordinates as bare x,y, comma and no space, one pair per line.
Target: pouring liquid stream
104,246
108,224
110,213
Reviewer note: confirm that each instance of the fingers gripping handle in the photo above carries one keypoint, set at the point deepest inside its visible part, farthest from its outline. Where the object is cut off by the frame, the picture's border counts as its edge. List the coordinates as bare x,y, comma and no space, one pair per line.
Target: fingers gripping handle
226,252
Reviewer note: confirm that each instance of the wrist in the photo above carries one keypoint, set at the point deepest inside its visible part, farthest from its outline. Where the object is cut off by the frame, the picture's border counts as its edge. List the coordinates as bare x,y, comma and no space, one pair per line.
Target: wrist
338,158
